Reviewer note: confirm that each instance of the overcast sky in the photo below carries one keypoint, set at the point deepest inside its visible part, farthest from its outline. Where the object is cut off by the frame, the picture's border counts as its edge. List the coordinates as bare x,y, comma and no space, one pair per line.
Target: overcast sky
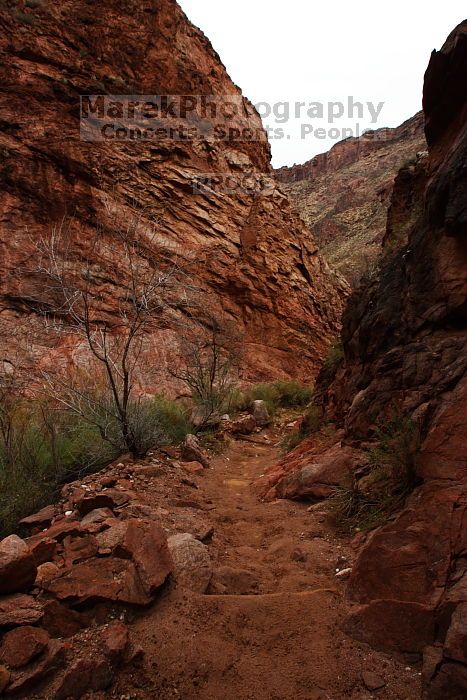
320,52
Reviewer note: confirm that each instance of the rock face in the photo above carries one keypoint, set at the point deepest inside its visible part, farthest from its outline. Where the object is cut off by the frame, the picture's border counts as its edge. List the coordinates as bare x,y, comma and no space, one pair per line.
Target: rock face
343,195
405,344
253,254
311,472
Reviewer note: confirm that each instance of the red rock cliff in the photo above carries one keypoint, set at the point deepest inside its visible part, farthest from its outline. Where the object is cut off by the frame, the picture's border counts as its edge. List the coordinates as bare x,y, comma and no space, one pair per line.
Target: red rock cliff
405,341
263,269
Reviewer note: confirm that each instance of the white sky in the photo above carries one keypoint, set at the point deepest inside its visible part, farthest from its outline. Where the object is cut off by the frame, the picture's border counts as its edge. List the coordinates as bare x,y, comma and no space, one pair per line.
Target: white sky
305,51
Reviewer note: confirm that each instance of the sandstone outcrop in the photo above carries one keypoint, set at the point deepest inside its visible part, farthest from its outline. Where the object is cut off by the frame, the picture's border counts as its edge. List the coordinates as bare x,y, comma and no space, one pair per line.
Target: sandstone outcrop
246,248
404,336
343,195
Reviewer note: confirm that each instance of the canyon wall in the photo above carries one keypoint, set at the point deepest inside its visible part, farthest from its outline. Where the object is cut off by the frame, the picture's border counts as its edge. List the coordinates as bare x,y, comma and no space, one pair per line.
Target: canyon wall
252,255
343,195
405,343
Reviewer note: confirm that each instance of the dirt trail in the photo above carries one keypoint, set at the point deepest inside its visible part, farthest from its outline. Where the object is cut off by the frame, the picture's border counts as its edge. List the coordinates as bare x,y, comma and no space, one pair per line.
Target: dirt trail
274,634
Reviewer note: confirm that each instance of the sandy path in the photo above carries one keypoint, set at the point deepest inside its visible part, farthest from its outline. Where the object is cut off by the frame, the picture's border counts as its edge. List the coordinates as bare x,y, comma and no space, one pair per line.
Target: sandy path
275,635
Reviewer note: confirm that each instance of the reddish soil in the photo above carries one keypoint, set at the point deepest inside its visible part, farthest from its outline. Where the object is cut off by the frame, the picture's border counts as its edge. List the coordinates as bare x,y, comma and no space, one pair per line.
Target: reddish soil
275,634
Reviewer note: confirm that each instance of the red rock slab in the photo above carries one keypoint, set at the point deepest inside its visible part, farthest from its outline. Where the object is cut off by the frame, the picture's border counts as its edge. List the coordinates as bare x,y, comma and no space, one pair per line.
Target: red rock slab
108,498
79,548
107,579
17,567
60,621
145,543
58,531
98,515
410,558
19,609
21,645
43,549
84,675
192,467
317,475
52,661
392,626
41,519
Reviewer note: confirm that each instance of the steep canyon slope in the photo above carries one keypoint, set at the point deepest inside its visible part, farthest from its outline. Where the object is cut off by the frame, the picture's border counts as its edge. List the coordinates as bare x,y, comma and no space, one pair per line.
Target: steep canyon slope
251,253
405,344
343,195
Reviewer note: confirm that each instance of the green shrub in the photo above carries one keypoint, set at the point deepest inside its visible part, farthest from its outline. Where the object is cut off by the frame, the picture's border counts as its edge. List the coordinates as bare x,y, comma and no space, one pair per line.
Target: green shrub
310,424
334,357
173,418
39,450
276,394
391,478
42,448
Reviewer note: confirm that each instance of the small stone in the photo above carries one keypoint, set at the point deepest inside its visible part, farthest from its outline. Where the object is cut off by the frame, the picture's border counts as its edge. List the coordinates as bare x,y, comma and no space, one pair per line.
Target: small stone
372,681
345,573
19,609
298,555
46,572
115,638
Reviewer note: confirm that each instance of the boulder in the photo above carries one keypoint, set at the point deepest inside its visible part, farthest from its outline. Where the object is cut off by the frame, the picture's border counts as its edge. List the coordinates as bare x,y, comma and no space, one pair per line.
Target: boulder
19,609
97,516
21,645
190,451
79,548
140,563
260,413
455,645
17,567
243,425
318,476
107,498
409,558
192,563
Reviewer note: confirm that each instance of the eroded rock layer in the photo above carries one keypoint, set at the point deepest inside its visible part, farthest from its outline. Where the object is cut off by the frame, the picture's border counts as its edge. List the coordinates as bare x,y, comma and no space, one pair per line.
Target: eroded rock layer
252,253
343,195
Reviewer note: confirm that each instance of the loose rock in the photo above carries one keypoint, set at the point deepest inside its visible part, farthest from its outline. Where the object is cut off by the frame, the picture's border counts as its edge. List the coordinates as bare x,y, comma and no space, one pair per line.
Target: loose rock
193,568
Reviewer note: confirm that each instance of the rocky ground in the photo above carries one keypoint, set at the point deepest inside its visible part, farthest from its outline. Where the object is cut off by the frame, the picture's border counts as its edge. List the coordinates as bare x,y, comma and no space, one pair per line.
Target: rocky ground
247,600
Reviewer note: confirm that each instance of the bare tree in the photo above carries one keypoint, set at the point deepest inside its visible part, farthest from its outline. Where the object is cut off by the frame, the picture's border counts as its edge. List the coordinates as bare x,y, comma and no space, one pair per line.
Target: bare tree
112,321
209,360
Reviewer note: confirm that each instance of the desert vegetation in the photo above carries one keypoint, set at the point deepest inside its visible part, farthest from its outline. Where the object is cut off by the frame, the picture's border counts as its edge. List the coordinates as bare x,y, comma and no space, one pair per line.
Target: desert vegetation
391,477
